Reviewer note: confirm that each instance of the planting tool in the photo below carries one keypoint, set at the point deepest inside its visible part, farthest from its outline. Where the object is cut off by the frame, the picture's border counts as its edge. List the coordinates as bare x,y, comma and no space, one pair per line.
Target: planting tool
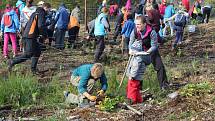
129,60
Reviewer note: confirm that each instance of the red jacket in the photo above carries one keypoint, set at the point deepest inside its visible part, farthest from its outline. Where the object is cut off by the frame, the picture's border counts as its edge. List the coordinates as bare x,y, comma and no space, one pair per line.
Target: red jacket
162,8
186,4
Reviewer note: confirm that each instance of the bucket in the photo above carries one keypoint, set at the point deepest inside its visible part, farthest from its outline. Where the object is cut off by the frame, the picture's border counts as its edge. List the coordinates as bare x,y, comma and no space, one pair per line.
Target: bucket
191,28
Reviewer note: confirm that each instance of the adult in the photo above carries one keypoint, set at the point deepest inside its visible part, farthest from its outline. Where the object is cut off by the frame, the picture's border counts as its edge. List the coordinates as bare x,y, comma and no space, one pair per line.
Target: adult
76,12
24,18
34,29
101,26
73,30
143,39
84,77
10,26
61,20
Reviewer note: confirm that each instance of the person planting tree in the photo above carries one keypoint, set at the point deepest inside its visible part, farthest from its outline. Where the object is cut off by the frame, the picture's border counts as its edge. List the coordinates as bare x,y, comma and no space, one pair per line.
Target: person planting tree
84,78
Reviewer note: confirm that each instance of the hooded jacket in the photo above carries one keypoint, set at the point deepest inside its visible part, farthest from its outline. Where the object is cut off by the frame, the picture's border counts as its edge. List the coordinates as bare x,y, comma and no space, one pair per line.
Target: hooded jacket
62,18
36,25
20,5
15,22
25,14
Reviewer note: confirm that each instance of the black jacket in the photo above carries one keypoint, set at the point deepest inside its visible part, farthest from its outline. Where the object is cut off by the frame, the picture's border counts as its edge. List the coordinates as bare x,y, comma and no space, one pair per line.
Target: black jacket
36,25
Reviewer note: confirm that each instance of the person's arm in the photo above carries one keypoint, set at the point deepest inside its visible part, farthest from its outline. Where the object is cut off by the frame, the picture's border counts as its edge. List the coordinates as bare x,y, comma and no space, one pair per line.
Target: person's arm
56,17
103,81
154,42
17,24
2,24
82,86
41,24
132,39
124,28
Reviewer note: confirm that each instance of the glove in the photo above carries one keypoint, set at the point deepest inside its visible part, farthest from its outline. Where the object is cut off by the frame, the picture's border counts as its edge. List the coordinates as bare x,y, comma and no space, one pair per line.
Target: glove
100,93
92,98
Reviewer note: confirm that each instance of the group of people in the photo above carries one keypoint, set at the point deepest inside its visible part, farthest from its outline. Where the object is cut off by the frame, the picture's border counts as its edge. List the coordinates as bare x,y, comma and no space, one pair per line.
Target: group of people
28,26
142,28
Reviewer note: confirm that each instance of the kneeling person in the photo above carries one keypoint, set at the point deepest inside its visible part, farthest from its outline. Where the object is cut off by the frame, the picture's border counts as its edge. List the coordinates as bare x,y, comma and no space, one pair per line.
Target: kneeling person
84,78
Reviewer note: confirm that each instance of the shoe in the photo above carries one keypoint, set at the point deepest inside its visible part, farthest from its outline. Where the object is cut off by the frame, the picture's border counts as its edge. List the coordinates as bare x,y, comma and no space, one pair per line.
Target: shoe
6,57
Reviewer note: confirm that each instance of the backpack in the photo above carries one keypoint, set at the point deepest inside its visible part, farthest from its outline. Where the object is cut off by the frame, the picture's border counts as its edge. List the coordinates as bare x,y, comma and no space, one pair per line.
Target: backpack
73,22
180,20
8,22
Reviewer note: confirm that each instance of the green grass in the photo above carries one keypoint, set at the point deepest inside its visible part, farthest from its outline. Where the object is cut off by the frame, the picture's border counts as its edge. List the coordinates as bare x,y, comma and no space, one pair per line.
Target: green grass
24,90
17,90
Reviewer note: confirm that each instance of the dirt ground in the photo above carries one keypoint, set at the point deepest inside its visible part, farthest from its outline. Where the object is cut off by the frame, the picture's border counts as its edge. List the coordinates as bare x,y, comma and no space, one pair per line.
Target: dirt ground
196,46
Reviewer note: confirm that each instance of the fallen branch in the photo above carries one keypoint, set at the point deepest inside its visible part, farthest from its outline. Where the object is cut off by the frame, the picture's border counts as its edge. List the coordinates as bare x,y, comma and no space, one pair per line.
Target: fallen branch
132,109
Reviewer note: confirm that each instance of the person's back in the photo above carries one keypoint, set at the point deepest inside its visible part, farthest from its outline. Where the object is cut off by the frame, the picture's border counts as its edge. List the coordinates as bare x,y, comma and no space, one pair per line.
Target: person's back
10,17
76,13
128,27
169,11
99,26
62,17
20,4
26,13
36,25
162,8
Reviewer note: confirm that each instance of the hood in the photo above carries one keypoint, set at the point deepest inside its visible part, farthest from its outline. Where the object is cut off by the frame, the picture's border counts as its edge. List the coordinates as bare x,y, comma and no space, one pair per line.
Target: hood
76,9
9,12
62,5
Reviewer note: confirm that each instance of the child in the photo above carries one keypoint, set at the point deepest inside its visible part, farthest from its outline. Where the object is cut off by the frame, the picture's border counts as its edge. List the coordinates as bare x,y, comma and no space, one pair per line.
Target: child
126,32
84,78
10,26
179,24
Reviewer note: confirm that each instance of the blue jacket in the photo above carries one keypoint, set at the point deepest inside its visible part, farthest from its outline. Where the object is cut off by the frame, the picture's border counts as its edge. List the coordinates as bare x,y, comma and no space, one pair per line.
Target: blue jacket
20,5
62,18
128,28
100,25
169,11
16,25
84,72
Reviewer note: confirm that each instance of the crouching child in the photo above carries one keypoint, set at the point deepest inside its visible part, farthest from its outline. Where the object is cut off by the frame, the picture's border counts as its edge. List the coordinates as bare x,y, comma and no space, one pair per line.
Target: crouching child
84,78
143,42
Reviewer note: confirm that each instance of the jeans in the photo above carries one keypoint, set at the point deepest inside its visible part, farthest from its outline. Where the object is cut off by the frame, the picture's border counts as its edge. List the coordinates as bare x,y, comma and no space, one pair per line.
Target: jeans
168,24
10,36
60,36
100,46
179,37
32,50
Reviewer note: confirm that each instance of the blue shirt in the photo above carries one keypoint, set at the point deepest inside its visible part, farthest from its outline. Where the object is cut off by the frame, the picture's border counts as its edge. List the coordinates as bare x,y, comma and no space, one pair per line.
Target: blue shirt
169,11
128,28
84,72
